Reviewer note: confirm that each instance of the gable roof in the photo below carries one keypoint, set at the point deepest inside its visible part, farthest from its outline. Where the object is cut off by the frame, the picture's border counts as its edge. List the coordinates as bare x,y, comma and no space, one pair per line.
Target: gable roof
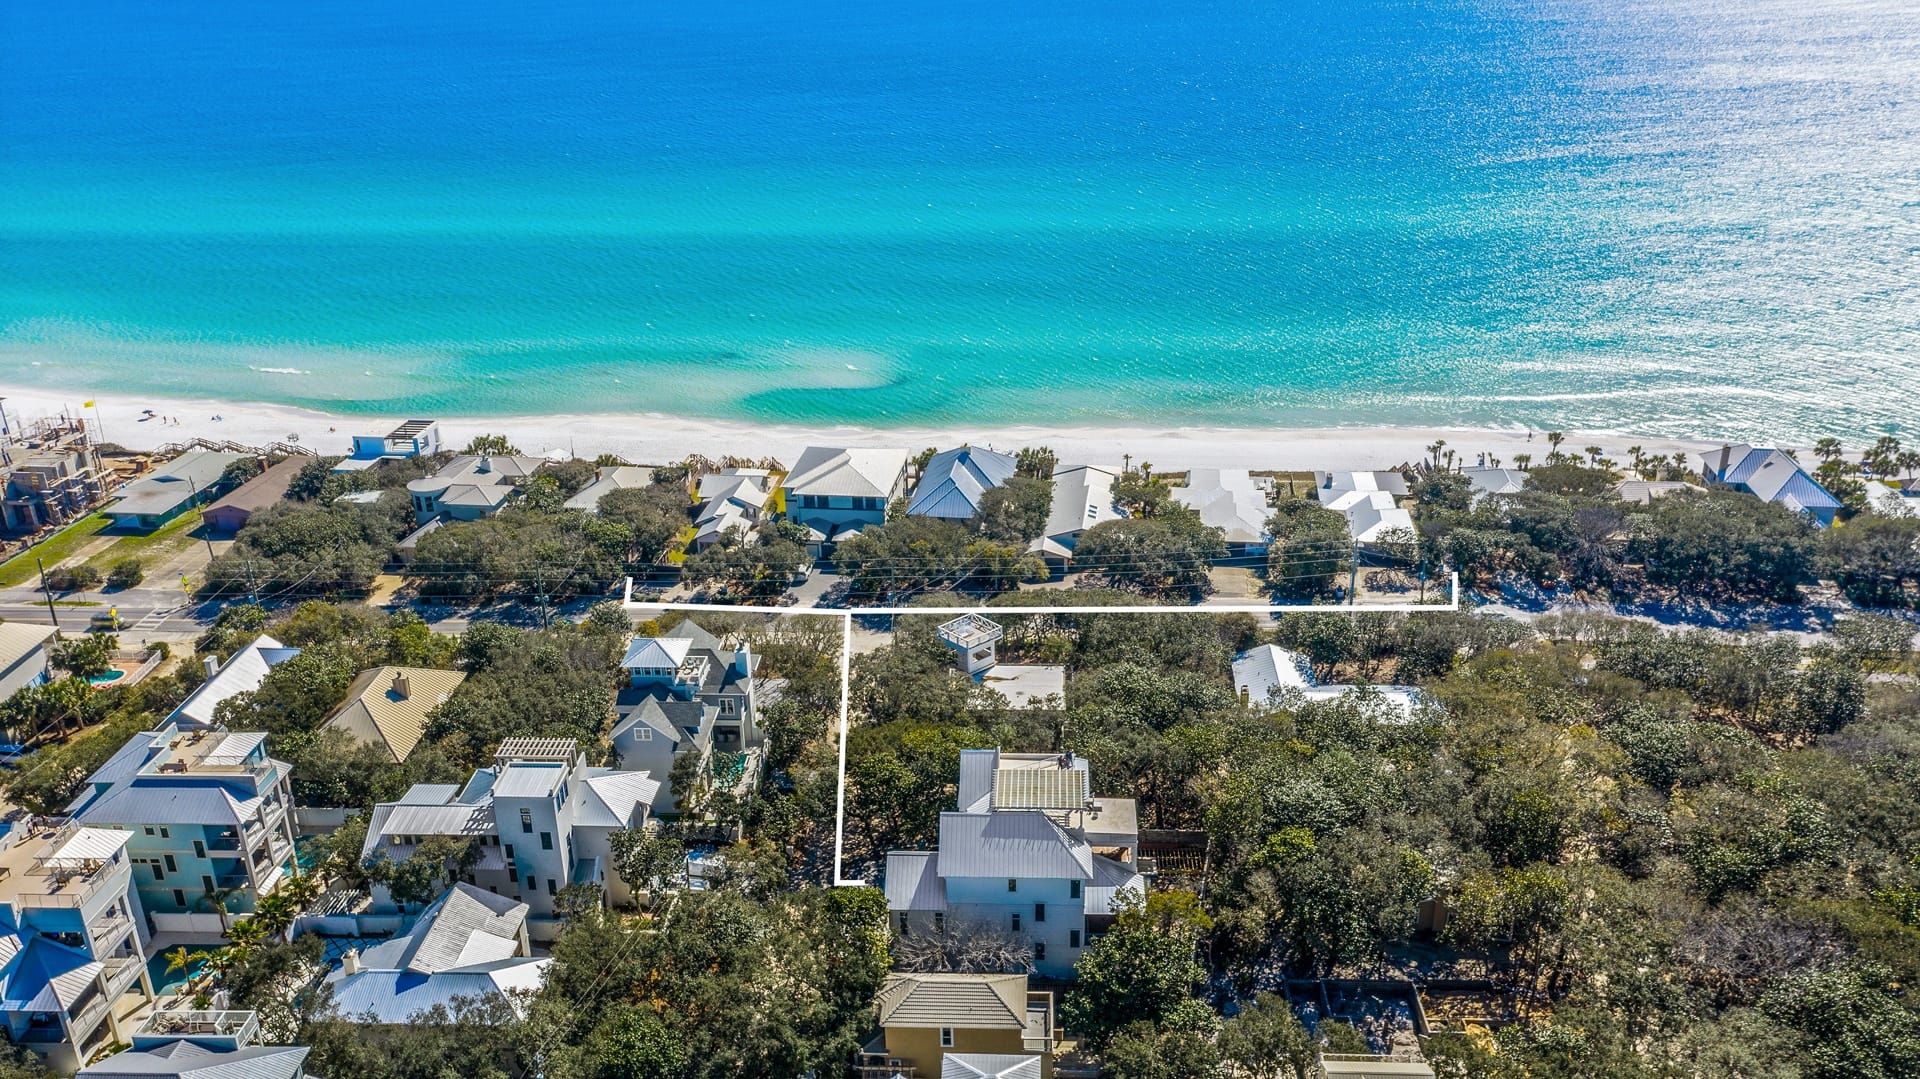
953,481
990,1066
1771,474
913,881
859,472
609,798
264,490
1227,499
205,802
1011,843
1082,498
172,483
607,480
1495,481
668,652
185,1060
375,707
965,1001
241,673
464,927
18,640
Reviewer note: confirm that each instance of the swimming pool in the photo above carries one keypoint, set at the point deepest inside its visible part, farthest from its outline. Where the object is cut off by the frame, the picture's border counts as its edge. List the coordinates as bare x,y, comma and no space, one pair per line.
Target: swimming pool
107,678
168,984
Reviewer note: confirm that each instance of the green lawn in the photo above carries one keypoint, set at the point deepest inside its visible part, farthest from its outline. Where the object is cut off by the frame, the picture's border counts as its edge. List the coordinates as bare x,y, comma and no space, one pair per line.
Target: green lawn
20,569
161,544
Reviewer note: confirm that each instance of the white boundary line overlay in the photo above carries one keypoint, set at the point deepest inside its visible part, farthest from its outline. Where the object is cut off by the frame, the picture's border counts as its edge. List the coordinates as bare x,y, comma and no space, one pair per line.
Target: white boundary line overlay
846,615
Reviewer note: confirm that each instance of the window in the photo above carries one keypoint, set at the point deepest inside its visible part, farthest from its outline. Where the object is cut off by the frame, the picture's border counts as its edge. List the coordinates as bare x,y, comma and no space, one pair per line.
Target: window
1016,922
939,922
728,706
179,898
199,849
1073,889
508,847
1039,950
157,873
171,866
149,831
643,734
903,923
946,1037
526,821
1012,885
552,888
546,840
165,834
1039,912
1073,938
207,883
513,873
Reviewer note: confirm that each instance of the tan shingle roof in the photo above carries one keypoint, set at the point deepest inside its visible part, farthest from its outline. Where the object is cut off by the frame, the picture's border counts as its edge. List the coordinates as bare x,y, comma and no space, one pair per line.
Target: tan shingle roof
375,706
966,1001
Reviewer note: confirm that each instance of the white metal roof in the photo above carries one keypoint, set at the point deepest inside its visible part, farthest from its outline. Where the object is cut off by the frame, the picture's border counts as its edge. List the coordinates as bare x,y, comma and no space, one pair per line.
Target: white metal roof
859,472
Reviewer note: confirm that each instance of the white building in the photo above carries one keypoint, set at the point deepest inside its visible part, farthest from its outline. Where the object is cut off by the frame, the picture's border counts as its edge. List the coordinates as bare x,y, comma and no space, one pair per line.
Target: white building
24,656
1231,500
241,673
541,816
1082,498
1369,501
834,492
414,438
469,944
606,480
732,498
1270,675
1487,480
194,1044
1028,852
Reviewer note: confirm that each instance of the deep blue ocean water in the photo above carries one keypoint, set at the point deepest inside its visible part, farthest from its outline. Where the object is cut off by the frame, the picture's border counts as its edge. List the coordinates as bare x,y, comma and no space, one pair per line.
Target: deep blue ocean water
1696,217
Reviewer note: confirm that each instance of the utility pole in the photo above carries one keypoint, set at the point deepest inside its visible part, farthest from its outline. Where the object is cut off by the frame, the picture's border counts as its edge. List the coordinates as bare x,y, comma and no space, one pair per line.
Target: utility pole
1353,575
48,592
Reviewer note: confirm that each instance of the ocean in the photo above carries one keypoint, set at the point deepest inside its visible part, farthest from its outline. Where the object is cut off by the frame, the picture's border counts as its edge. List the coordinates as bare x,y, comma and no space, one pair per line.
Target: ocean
1697,218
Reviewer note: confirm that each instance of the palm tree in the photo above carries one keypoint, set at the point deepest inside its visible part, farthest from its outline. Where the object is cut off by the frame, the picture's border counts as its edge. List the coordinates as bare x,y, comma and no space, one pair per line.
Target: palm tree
1908,462
1433,450
302,890
1522,460
274,914
1593,454
247,934
216,901
180,960
1827,449
1638,454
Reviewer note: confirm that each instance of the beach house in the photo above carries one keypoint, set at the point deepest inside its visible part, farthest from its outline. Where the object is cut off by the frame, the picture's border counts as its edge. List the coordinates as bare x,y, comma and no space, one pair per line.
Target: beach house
961,1026
835,492
388,706
606,480
231,511
241,673
1231,500
471,943
952,484
414,438
24,656
1082,498
469,487
975,640
1488,480
1028,854
170,490
72,940
539,817
689,691
1771,475
732,499
201,1044
1270,676
1370,503
208,814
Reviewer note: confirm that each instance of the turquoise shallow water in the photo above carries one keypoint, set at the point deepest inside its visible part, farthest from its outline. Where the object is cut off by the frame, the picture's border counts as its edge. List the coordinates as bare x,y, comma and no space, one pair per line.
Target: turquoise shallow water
1683,218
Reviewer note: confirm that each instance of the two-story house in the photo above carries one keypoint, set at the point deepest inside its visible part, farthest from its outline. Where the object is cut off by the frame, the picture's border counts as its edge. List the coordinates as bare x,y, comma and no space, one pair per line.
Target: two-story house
72,939
210,818
988,1026
469,943
835,492
1770,475
469,487
688,691
732,499
542,818
414,438
1029,853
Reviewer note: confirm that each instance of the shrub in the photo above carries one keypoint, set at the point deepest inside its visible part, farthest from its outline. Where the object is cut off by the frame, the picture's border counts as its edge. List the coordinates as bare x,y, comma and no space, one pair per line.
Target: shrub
73,578
126,573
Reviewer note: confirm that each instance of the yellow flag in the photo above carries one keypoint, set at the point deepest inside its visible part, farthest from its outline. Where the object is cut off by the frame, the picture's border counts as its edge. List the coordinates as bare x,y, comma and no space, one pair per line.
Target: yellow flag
86,404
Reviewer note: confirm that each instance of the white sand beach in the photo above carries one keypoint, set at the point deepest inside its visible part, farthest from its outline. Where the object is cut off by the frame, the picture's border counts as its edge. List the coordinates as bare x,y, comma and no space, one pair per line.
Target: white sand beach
655,438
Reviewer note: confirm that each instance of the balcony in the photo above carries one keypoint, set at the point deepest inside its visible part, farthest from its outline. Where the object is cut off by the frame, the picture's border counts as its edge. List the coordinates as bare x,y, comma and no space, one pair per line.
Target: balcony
122,974
236,1029
107,931
880,1066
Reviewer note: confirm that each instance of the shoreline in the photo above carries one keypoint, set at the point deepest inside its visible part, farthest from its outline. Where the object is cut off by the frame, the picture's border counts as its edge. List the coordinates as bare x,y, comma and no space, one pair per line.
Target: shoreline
651,438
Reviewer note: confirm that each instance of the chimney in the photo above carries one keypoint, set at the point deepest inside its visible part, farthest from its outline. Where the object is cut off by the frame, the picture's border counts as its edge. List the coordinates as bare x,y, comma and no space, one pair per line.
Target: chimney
402,688
1726,459
350,961
212,664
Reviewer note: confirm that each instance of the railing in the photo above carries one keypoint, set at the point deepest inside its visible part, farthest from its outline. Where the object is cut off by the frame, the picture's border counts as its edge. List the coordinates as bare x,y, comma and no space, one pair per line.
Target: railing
870,1066
108,932
121,974
241,1026
83,1021
71,892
